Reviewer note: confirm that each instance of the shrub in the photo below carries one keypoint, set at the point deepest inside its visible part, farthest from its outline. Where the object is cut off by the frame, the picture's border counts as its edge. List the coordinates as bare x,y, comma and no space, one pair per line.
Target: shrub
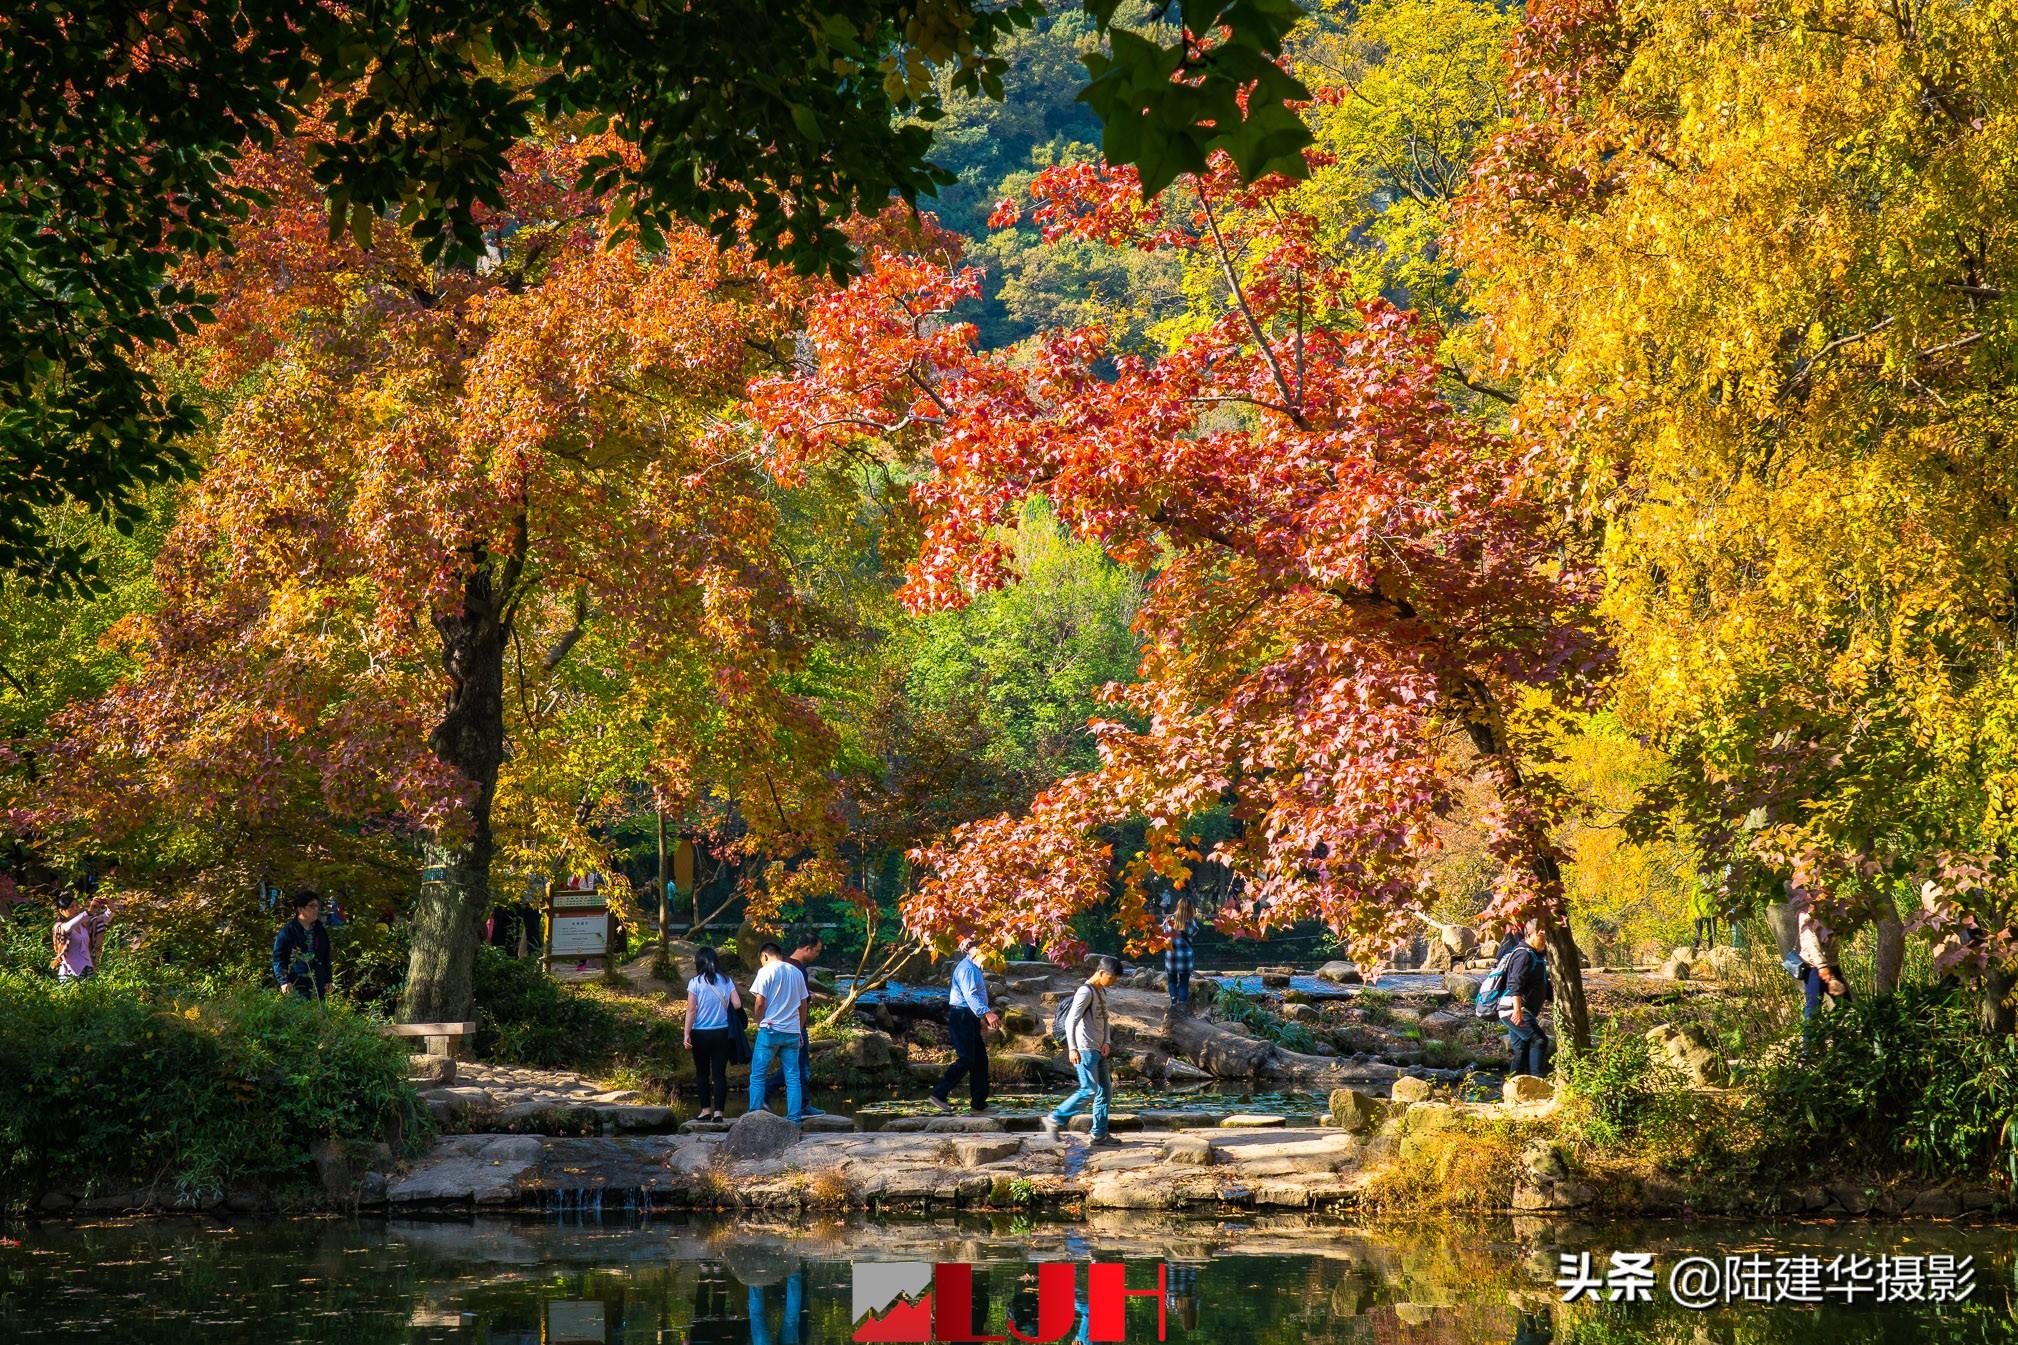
1616,1085
1466,1164
1620,1098
1899,1079
122,1087
1234,1007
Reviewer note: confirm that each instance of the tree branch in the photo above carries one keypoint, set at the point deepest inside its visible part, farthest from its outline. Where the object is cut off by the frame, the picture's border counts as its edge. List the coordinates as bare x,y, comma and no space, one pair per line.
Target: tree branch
1290,400
573,635
1456,370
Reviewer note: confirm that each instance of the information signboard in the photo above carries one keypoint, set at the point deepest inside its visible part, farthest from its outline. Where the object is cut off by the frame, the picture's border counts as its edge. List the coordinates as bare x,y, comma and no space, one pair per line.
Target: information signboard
579,935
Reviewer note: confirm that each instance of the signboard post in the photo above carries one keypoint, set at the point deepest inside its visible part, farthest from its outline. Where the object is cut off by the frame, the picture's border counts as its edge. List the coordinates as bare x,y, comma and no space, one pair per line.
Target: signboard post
578,923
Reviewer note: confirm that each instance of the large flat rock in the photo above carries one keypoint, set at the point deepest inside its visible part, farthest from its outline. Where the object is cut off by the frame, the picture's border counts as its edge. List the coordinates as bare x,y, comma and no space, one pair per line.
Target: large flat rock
1295,1166
469,1169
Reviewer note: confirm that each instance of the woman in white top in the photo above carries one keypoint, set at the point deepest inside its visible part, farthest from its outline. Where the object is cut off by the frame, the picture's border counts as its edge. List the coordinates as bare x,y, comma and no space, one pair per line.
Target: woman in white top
710,1034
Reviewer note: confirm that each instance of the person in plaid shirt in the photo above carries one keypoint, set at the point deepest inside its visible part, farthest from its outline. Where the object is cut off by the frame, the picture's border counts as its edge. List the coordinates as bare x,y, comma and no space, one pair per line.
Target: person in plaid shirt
1182,926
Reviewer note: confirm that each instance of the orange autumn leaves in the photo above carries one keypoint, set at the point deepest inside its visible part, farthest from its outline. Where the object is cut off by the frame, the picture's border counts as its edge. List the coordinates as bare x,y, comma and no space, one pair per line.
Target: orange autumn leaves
558,416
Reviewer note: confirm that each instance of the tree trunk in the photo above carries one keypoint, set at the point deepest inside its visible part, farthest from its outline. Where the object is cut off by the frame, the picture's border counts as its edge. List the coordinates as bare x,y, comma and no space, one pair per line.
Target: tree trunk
1999,1013
448,918
1566,960
1890,933
665,885
1566,969
1785,927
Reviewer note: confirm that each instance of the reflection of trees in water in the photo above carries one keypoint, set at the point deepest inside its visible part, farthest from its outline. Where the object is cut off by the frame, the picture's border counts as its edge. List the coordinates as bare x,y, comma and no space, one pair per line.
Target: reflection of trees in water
1267,1281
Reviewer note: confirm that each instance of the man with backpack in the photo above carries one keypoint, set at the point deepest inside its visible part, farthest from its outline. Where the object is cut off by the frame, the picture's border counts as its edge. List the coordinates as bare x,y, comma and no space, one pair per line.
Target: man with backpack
1089,1043
1524,990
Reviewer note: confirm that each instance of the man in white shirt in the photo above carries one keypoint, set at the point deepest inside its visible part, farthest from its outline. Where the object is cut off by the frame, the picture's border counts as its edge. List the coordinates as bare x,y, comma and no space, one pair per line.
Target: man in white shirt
967,1016
807,945
780,1015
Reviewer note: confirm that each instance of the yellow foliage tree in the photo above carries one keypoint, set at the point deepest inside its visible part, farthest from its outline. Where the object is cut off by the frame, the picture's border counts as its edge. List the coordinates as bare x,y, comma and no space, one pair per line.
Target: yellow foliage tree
1752,265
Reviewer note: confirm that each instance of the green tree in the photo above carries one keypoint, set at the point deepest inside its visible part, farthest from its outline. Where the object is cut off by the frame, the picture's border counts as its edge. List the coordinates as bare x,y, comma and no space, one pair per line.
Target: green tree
1408,90
1031,658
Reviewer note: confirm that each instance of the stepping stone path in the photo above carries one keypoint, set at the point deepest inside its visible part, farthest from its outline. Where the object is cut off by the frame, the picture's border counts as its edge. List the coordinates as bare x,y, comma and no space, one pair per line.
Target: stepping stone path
945,1125
1117,1122
828,1125
972,1153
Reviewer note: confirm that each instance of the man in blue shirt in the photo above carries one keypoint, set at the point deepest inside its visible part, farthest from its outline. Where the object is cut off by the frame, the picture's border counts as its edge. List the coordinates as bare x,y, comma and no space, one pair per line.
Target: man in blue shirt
967,1016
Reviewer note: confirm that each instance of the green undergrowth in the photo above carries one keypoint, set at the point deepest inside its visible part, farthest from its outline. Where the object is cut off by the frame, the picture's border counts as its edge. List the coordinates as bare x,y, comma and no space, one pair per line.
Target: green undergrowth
1234,1007
1880,1088
115,1086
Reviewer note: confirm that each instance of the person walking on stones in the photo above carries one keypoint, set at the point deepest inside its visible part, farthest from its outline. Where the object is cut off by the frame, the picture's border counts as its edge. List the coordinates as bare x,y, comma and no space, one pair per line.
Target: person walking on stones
301,964
807,946
780,1011
968,1015
1526,991
77,936
710,1032
1179,958
1089,1044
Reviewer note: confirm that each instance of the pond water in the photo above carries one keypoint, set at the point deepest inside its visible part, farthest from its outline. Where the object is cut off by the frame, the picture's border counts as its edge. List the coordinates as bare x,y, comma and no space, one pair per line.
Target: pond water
1281,1281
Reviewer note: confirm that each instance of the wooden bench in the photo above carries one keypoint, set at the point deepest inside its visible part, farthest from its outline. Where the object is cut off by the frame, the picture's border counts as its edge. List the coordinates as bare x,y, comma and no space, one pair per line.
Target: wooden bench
442,1038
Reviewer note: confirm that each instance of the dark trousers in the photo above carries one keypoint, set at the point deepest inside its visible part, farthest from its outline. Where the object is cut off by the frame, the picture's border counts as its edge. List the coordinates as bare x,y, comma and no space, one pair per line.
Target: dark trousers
1180,986
1706,932
970,1059
1814,992
711,1066
1527,1048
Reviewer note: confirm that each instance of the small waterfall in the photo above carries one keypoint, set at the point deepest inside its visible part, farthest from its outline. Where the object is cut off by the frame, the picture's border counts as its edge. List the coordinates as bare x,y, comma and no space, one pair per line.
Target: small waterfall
585,1204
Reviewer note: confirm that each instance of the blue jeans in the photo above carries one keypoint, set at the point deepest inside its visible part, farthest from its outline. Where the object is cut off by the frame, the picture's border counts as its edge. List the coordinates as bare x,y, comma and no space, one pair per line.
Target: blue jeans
775,1084
1096,1082
760,1322
787,1048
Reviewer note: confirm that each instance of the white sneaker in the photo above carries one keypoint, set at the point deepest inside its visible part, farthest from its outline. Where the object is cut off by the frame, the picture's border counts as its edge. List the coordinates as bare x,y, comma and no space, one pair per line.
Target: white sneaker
1050,1125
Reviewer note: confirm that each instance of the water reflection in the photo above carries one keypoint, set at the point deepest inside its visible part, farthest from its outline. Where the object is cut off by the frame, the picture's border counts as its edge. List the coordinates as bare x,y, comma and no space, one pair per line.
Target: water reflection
1278,1281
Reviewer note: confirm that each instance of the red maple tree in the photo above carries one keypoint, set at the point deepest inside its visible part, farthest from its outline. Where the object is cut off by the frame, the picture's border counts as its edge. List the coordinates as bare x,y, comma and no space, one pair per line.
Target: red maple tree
1359,598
